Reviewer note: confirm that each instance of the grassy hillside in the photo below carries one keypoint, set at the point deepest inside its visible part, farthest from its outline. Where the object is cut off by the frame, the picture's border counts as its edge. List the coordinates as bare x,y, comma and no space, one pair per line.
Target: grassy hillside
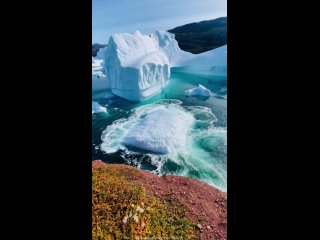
122,209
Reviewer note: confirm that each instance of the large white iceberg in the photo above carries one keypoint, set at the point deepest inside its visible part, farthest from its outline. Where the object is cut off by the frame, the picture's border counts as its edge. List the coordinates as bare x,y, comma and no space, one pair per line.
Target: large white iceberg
136,67
199,91
161,131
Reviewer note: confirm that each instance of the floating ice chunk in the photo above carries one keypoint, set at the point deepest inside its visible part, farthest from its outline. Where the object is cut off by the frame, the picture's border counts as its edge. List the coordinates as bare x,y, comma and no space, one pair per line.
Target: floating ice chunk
199,91
96,108
99,78
161,131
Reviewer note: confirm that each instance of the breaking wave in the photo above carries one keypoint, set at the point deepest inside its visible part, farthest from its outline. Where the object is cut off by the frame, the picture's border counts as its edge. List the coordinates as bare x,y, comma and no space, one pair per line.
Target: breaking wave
204,156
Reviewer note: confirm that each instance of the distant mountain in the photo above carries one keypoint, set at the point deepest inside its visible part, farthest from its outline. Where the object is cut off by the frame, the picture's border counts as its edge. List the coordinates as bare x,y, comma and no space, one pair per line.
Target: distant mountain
202,36
196,37
96,47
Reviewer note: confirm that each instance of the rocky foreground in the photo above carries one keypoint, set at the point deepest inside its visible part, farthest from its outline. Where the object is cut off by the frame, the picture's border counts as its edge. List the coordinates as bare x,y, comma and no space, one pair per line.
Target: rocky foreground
204,206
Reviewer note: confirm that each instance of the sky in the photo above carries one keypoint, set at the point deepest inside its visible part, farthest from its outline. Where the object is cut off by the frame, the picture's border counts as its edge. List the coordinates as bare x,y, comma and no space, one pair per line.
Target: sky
116,16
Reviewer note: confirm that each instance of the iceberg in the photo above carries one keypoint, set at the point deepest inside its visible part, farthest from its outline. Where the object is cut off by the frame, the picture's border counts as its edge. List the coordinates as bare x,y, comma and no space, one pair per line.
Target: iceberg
136,66
199,91
96,108
213,62
162,131
99,78
169,46
101,53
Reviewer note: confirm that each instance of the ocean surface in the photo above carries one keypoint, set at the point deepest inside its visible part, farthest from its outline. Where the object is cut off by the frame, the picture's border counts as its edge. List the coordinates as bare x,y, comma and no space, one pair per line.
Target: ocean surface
204,156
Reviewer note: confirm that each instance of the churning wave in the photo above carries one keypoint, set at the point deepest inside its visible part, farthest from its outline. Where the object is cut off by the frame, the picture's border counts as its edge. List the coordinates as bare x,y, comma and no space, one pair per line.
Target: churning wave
203,157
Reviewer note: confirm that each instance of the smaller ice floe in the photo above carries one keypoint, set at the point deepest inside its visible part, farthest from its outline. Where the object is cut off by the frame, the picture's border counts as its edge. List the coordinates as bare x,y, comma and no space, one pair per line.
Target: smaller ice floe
99,78
199,91
96,108
161,131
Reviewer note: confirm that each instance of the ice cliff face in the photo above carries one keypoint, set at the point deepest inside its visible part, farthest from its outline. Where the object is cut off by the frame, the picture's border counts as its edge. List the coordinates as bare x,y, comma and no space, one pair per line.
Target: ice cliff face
137,68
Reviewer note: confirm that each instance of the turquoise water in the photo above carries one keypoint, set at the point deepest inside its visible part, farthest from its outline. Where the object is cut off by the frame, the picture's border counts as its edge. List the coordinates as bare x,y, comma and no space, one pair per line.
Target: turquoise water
205,155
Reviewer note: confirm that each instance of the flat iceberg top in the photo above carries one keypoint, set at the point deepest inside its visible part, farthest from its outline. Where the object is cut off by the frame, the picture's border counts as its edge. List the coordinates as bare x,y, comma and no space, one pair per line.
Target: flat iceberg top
132,48
162,131
198,91
135,49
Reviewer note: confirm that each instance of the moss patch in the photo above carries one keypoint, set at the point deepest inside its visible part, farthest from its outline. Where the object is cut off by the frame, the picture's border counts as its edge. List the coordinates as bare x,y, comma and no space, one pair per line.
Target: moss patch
123,210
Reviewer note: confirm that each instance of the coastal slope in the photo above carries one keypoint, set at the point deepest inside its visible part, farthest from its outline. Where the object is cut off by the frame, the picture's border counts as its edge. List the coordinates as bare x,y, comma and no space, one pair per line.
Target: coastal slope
204,205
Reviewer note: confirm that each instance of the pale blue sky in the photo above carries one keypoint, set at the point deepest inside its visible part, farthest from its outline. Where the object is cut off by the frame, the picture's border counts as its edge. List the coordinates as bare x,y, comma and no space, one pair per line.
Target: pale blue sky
114,16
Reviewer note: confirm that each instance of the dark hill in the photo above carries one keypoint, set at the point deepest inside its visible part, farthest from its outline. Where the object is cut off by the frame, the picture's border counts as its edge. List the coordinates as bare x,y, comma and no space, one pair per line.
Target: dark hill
202,36
96,47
